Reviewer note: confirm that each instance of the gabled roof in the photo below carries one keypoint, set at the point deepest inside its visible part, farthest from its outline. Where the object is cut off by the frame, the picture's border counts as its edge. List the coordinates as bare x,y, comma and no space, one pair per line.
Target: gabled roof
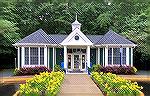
69,40
113,38
38,37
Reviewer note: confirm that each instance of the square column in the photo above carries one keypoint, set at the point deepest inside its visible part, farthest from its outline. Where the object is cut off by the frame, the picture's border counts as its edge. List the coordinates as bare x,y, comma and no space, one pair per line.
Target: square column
127,56
88,56
53,58
18,57
98,56
65,57
131,56
106,56
22,56
45,56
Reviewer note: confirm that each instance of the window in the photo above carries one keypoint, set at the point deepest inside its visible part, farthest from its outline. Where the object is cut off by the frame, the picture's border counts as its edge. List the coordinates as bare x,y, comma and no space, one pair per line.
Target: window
41,56
26,56
109,56
35,55
116,56
124,56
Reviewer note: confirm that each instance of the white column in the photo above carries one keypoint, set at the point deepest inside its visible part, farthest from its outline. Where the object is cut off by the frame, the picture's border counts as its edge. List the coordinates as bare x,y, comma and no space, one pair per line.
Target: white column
131,56
127,56
53,58
38,55
98,55
18,57
112,57
48,57
106,56
88,56
29,56
45,56
65,57
22,57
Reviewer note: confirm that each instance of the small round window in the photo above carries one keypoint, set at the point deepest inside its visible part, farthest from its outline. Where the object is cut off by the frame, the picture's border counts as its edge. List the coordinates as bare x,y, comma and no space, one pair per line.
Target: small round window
76,37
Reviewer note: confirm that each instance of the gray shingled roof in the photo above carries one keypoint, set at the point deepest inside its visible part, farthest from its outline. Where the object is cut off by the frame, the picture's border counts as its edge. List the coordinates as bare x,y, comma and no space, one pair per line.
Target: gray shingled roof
113,38
37,37
41,37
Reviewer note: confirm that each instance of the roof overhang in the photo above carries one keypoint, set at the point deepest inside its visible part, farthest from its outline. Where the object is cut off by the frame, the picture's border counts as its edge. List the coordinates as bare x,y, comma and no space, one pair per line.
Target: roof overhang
116,45
33,44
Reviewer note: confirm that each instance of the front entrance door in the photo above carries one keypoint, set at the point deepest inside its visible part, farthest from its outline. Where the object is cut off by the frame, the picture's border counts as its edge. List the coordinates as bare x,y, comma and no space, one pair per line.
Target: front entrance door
76,61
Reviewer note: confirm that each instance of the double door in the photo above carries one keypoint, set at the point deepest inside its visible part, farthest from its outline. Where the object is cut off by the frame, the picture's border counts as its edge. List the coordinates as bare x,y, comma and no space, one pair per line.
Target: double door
76,61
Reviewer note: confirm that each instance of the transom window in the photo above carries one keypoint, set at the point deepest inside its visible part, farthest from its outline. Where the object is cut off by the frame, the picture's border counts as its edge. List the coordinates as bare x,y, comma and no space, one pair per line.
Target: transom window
77,50
34,56
116,56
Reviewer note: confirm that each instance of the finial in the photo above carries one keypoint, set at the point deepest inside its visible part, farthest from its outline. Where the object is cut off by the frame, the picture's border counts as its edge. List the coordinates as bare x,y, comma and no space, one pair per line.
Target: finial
76,16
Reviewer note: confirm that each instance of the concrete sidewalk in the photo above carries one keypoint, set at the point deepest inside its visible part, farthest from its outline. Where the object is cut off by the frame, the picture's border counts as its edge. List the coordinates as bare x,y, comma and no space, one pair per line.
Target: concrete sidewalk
79,85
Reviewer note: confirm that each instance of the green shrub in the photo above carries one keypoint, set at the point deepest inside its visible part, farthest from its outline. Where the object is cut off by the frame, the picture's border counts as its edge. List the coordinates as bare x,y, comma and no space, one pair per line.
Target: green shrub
57,68
96,68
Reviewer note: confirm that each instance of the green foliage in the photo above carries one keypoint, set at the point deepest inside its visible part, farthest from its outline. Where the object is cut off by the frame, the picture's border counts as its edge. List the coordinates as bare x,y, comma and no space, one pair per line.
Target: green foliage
57,68
130,18
96,68
114,85
45,84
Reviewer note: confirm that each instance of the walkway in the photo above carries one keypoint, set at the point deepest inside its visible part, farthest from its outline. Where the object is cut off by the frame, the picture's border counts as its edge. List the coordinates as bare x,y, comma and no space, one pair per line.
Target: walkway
79,85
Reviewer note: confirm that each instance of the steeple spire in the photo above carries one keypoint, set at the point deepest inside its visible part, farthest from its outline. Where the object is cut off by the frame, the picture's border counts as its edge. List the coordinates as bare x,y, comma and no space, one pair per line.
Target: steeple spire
76,24
76,17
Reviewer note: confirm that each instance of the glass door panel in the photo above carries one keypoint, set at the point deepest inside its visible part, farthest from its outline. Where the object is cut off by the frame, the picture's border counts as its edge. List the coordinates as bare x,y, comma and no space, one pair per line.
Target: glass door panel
76,61
69,61
83,62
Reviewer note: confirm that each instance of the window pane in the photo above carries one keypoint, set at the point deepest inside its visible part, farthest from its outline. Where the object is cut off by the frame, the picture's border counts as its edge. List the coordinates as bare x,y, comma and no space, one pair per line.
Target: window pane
33,56
110,56
41,56
116,56
26,56
124,56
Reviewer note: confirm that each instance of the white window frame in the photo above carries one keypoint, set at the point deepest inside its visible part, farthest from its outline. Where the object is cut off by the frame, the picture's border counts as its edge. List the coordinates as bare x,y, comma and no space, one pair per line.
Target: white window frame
23,57
112,63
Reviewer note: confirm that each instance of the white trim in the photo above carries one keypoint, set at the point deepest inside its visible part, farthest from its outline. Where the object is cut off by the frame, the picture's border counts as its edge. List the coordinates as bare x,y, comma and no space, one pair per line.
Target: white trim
48,58
118,45
83,40
38,55
22,57
45,56
112,63
131,56
65,57
53,58
34,44
18,57
98,56
29,55
127,56
106,56
88,56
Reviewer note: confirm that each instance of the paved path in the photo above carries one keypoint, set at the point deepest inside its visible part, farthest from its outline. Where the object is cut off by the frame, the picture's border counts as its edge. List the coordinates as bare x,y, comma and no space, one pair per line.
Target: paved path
79,85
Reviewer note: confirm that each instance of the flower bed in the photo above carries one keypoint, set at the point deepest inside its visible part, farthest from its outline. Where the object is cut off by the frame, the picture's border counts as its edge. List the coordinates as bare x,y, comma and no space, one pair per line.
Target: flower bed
123,70
45,84
31,70
113,85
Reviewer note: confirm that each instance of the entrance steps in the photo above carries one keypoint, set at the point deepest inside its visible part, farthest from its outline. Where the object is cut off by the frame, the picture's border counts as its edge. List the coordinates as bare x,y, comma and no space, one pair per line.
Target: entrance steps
79,85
